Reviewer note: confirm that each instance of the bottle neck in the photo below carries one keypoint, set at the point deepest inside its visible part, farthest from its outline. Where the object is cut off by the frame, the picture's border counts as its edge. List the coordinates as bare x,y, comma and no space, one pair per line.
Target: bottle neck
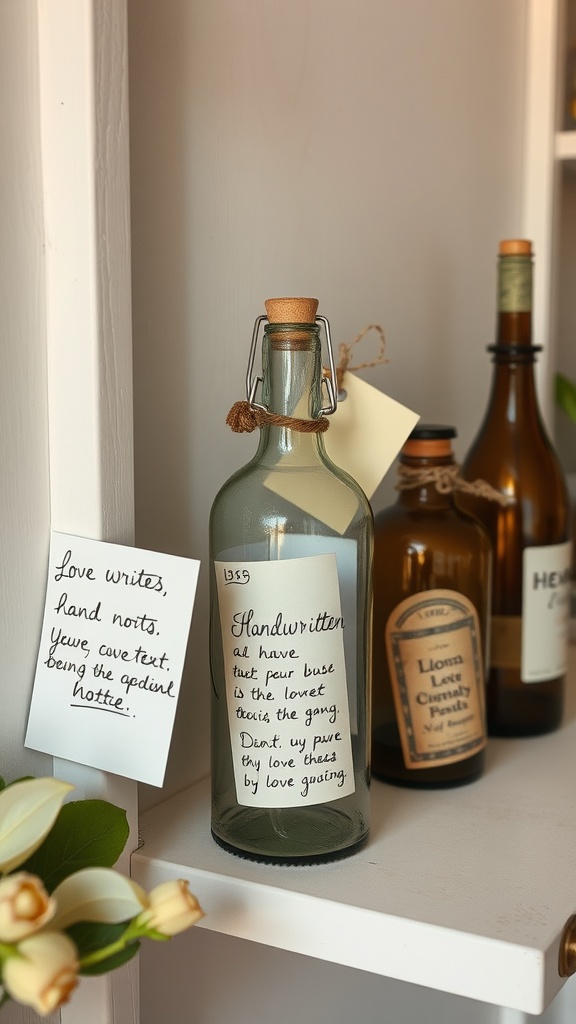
417,481
513,391
514,329
292,376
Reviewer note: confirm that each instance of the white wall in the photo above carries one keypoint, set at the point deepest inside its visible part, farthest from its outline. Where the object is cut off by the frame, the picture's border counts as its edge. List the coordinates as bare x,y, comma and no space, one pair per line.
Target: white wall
369,153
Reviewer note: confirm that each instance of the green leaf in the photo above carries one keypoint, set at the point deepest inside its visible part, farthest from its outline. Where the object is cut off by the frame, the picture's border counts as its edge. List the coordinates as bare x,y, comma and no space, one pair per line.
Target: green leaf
91,936
114,961
2,786
87,833
566,396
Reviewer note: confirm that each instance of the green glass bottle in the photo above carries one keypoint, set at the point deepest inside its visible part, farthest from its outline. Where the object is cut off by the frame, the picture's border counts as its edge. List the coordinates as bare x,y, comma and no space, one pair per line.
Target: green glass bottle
432,566
530,535
291,540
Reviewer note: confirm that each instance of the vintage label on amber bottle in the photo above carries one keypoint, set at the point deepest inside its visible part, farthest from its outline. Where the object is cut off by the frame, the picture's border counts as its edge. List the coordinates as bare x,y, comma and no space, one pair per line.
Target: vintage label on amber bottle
435,659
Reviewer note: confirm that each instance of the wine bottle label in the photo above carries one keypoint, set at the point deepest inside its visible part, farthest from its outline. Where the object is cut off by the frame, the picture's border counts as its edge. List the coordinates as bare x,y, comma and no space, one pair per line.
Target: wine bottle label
283,642
435,660
546,576
515,285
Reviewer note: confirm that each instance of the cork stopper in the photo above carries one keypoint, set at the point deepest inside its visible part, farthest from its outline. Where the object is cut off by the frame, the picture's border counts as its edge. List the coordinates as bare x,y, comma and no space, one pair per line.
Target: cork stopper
515,247
291,311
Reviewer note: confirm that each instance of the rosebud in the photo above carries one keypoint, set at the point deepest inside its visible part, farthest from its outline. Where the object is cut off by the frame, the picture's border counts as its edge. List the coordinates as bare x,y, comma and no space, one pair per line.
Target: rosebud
171,908
24,906
43,973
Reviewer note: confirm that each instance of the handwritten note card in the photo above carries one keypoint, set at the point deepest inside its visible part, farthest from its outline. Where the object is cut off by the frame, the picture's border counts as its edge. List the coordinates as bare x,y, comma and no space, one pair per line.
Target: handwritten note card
111,656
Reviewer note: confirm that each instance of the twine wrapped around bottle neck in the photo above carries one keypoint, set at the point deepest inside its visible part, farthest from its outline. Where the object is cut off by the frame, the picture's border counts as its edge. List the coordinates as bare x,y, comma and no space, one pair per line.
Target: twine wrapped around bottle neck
244,418
446,480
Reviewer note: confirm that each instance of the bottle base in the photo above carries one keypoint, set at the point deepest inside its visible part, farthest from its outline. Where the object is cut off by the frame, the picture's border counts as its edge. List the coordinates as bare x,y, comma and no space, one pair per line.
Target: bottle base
388,765
296,861
521,710
291,835
513,731
410,783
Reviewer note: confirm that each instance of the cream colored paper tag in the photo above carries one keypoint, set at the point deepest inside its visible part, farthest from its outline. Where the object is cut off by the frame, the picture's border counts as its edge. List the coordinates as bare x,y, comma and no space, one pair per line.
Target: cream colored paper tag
365,435
366,432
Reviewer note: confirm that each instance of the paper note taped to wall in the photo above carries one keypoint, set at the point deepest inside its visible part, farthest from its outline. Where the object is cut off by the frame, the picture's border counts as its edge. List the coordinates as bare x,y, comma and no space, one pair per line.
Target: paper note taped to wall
111,656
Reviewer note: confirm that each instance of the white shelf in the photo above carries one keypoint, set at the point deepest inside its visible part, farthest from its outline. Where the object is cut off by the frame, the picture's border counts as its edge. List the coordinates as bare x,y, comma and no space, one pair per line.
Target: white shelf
465,890
565,145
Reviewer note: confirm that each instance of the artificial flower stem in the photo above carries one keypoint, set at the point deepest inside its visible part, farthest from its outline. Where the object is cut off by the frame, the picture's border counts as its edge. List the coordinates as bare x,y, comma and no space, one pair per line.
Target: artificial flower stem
133,931
102,954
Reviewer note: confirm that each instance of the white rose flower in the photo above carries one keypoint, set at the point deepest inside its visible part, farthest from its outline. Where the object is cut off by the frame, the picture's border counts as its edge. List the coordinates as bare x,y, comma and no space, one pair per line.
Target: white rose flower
171,908
25,906
43,973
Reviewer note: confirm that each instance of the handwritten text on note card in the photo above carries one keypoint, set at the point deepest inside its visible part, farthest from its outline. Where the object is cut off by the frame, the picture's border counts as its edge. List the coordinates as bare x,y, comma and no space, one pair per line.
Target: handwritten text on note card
111,655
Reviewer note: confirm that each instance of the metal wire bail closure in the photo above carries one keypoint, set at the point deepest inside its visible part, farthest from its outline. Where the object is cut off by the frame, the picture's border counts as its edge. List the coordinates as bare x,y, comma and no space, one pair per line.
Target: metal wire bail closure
328,379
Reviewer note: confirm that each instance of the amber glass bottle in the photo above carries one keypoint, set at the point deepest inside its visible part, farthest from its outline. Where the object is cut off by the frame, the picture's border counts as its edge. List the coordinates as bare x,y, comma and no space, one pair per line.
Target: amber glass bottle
431,607
531,579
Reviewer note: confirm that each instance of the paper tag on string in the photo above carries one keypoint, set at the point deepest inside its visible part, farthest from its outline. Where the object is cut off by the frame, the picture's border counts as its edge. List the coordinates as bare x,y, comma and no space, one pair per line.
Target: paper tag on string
365,435
366,432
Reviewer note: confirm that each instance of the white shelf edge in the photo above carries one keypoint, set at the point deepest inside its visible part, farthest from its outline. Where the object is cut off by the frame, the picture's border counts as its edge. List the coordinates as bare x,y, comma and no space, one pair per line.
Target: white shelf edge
565,145
411,951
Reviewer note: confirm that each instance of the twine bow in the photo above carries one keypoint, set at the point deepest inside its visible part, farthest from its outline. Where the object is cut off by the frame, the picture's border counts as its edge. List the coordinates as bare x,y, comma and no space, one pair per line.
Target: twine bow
244,418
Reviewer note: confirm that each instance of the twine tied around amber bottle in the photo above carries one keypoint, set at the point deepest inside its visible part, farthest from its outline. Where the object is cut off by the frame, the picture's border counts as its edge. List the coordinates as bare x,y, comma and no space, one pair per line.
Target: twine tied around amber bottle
446,480
244,418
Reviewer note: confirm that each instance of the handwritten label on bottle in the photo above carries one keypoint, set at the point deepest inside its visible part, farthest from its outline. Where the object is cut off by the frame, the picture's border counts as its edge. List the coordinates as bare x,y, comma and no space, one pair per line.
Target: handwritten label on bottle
435,658
283,643
546,576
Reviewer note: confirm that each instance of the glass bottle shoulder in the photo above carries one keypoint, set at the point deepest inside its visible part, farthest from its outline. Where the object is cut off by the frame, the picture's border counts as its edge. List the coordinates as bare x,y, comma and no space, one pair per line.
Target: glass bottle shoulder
526,468
261,501
508,457
435,527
